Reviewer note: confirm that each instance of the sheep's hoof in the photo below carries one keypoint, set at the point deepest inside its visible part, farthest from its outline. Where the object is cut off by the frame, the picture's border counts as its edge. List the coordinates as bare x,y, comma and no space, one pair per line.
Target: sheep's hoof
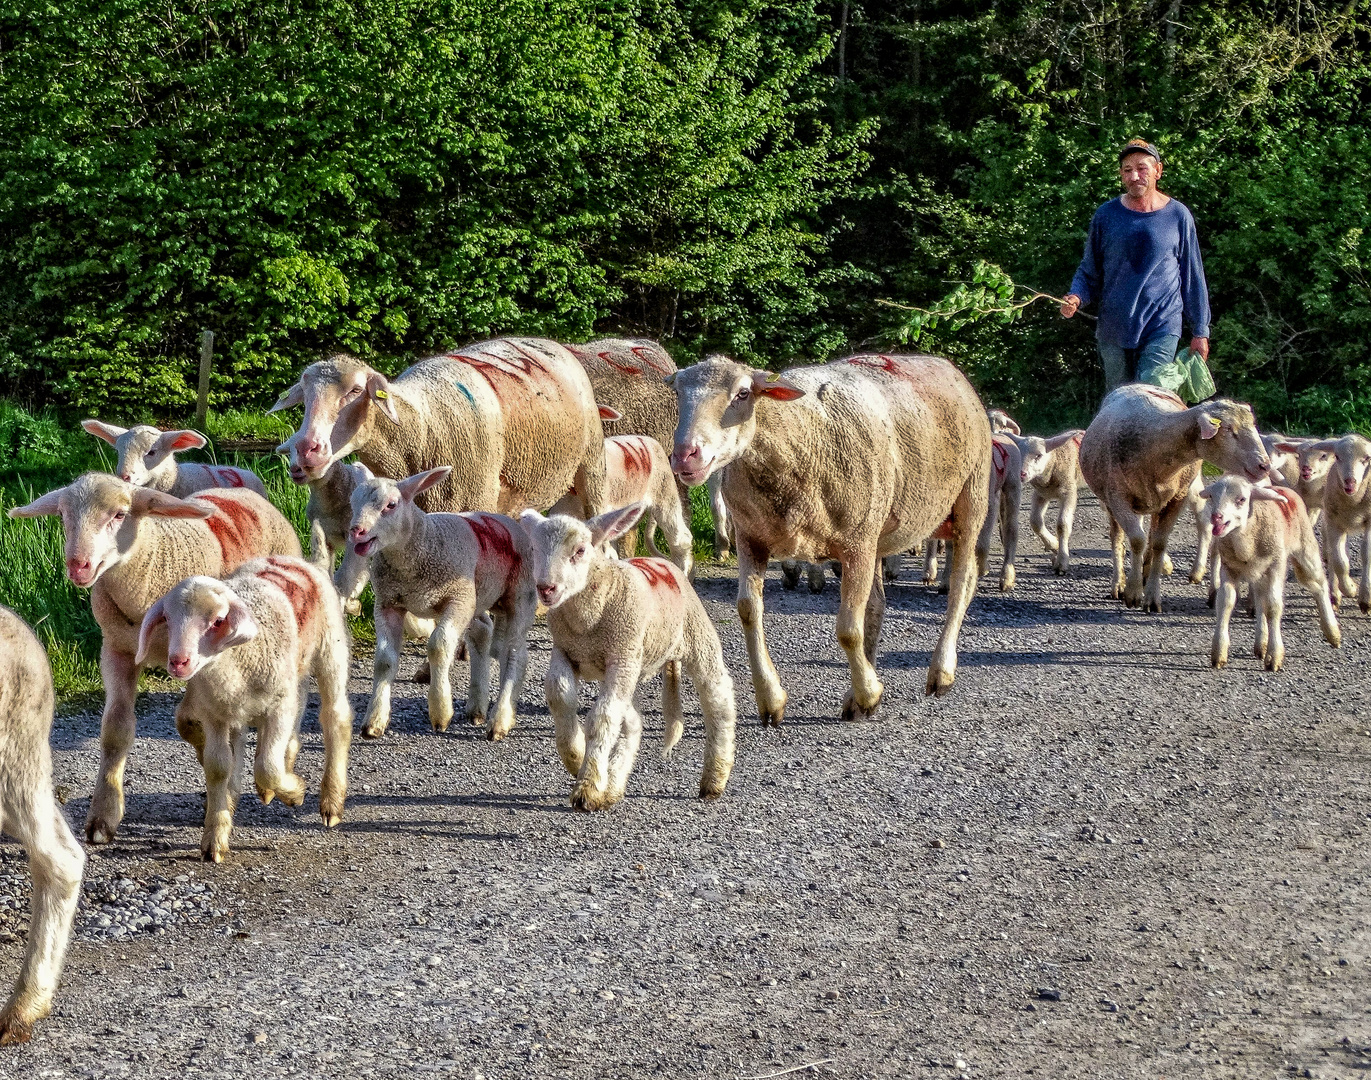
370,732
853,711
1007,580
424,674
1196,577
1365,606
1152,607
1272,663
14,1029
266,795
817,581
99,831
1219,661
939,683
1059,570
586,799
295,796
212,854
790,578
330,819
712,787
772,717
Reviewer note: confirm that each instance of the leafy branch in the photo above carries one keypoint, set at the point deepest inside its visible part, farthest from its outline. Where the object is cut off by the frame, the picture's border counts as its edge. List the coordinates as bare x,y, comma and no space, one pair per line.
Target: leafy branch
990,294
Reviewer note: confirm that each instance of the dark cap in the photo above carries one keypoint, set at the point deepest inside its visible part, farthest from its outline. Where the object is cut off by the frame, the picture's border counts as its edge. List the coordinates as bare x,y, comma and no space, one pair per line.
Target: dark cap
1140,146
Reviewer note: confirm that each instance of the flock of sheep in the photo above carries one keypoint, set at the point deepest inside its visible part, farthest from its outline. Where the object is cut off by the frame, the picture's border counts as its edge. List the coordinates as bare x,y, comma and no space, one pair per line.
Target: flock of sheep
192,569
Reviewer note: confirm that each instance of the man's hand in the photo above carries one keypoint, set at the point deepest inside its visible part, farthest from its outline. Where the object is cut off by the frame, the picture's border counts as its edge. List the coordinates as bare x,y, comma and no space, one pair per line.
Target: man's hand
1071,304
1198,345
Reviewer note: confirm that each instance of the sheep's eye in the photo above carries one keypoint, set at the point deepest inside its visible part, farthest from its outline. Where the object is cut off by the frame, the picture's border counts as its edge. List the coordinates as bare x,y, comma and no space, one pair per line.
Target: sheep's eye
580,553
147,455
119,515
391,506
743,394
1241,501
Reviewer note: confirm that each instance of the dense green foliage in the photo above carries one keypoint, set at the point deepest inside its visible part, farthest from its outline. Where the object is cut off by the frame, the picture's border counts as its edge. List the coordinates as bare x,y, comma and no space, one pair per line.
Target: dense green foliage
752,175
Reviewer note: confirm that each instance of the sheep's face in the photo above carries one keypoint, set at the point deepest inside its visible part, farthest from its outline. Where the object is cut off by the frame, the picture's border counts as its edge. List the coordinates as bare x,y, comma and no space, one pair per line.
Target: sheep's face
1230,504
100,515
374,504
203,618
137,456
1315,461
716,402
1352,460
565,549
1229,439
338,395
1035,458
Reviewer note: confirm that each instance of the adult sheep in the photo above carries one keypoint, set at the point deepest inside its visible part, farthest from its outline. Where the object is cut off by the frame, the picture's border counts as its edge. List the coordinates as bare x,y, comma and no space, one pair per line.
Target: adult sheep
515,418
1141,454
629,375
850,460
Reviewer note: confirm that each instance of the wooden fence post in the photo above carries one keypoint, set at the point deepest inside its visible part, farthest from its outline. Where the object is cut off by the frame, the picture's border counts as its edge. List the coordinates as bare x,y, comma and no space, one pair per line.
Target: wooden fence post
206,361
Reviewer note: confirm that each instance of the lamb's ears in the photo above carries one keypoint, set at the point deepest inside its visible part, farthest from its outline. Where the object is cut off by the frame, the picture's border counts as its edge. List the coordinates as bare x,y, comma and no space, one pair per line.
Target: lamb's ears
291,398
612,524
1064,438
156,616
1270,494
606,413
170,441
775,386
43,506
1207,493
1323,446
108,432
159,504
530,520
378,390
1209,425
670,380
366,473
238,627
411,486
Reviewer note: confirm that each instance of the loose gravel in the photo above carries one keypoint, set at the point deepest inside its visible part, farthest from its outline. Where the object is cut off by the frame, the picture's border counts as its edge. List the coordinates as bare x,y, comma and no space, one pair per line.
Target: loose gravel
1097,856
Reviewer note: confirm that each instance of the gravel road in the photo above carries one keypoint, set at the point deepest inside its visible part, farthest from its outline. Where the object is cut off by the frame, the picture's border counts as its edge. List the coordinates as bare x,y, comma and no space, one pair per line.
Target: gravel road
1096,857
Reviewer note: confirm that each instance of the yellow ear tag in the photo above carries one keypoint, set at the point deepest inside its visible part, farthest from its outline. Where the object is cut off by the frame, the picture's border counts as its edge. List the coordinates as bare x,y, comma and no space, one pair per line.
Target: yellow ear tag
1217,423
382,394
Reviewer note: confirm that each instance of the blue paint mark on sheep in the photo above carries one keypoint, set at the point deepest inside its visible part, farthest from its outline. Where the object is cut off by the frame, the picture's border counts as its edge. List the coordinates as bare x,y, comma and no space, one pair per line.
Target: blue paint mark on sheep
465,393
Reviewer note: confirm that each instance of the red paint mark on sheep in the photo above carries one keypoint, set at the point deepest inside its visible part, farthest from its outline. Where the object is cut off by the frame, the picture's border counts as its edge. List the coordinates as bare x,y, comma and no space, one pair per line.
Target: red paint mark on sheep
999,457
236,527
297,585
658,573
643,353
1163,395
637,457
1286,502
229,478
943,531
627,369
497,545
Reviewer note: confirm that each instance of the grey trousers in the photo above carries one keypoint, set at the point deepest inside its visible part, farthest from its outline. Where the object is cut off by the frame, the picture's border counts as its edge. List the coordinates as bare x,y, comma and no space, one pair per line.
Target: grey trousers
1148,355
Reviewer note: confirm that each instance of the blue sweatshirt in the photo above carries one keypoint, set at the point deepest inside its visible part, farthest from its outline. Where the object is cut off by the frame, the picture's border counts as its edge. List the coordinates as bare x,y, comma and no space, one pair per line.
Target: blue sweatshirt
1144,269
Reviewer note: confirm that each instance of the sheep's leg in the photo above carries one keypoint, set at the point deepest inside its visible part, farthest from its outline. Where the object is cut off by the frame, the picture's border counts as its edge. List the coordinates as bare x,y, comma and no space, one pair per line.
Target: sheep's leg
890,566
1255,591
117,726
720,509
1162,524
1204,536
191,730
861,576
1066,522
930,562
454,621
815,573
1009,532
1037,520
1309,572
608,719
1226,598
672,713
479,638
389,635
221,796
624,754
790,574
1339,569
1273,606
766,684
1364,588
991,523
966,511
32,816
513,664
679,541
1117,538
271,772
335,722
320,554
705,666
351,579
561,687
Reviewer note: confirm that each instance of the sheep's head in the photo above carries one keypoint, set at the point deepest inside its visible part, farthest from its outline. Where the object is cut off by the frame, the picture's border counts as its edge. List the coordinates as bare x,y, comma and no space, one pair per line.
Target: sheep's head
203,617
1231,499
380,507
341,395
1315,456
1351,461
716,402
100,515
143,449
565,548
1229,438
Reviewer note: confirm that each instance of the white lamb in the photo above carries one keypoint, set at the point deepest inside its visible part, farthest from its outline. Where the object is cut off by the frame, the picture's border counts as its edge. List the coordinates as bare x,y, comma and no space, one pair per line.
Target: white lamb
147,458
1259,532
619,622
453,569
31,815
1347,510
1052,468
246,648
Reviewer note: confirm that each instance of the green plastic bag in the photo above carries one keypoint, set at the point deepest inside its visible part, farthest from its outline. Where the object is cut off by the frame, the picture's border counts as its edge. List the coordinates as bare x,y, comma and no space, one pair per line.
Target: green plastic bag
1187,375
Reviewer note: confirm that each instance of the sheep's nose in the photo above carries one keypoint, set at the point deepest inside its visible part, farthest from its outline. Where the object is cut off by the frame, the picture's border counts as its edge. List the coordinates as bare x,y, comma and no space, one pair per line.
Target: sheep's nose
178,665
78,570
682,454
126,477
313,452
1216,520
357,532
547,593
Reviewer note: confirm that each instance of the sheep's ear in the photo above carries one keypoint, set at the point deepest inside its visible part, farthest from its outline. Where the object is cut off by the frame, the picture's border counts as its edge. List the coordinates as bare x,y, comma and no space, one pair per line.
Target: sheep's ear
530,520
108,432
378,390
775,386
366,473
156,616
43,506
1207,493
159,504
606,413
670,380
1065,437
612,524
238,627
291,398
411,486
1209,425
1322,445
1270,494
170,441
